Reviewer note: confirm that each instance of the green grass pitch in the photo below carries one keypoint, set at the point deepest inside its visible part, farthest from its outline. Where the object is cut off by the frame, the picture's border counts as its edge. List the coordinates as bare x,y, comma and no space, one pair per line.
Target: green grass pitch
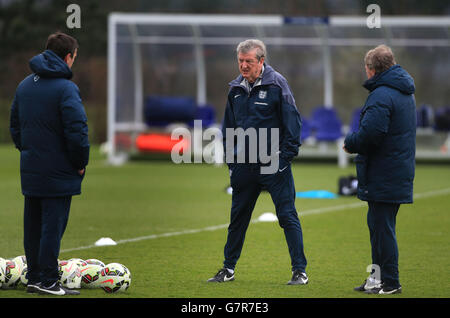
170,221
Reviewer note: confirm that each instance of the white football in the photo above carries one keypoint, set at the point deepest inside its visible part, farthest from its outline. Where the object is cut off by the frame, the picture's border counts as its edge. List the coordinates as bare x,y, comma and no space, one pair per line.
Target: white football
21,262
78,261
2,271
23,276
93,261
114,278
69,274
90,276
12,274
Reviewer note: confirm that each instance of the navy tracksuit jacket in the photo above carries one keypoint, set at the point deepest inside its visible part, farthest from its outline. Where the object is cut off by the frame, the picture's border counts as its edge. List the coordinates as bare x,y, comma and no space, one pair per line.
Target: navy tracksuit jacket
48,125
268,104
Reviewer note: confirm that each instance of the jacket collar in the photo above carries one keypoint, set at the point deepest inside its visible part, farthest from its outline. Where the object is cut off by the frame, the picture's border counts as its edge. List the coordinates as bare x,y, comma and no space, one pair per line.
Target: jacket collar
266,77
50,65
395,77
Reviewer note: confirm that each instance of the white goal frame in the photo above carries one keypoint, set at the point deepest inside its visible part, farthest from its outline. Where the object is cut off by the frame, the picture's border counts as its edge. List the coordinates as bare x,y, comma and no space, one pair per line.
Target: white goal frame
195,20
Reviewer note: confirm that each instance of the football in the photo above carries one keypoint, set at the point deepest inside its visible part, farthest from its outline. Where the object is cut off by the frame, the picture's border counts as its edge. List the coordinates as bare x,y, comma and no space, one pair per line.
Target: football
20,260
93,261
90,276
114,278
78,261
12,274
2,271
69,274
21,263
23,276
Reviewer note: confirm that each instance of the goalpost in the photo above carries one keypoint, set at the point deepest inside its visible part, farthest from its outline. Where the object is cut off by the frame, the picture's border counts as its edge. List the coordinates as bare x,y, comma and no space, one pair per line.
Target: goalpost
194,55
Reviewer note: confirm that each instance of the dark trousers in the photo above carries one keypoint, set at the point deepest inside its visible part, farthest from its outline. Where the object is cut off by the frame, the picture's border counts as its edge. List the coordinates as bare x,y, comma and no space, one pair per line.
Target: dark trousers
45,221
247,183
381,219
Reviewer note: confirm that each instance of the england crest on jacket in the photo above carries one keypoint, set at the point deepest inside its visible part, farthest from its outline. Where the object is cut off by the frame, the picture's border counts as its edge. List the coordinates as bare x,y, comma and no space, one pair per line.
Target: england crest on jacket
262,94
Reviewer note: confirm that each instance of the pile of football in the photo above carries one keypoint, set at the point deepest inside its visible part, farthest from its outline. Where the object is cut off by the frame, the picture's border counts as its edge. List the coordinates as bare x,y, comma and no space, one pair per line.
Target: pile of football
74,273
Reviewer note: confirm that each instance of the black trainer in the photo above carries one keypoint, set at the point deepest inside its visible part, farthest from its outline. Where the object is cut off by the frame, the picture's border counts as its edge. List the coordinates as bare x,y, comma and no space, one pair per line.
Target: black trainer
223,275
385,290
298,278
57,289
33,288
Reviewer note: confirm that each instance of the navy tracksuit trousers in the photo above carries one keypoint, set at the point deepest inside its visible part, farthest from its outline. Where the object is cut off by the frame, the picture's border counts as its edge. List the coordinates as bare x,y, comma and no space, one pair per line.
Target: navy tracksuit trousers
45,220
381,219
247,183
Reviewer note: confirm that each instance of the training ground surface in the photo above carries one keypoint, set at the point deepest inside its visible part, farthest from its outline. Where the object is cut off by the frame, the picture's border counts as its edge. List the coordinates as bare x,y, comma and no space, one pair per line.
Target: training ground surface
170,222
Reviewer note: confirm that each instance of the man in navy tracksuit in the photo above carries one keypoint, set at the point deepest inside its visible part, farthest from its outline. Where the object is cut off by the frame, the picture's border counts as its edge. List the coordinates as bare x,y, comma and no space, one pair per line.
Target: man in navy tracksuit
385,144
260,98
48,125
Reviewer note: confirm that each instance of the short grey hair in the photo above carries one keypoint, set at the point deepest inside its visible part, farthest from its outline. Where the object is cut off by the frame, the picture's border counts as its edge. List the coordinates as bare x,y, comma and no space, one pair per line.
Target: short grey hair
380,58
250,44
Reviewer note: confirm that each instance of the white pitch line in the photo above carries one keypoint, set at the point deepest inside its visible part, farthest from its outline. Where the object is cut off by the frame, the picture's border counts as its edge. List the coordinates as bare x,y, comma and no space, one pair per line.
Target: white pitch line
223,226
432,193
153,236
333,208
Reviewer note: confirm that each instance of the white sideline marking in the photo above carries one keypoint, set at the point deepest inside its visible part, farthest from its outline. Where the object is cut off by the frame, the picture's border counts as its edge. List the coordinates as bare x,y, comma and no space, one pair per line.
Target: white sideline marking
223,226
431,193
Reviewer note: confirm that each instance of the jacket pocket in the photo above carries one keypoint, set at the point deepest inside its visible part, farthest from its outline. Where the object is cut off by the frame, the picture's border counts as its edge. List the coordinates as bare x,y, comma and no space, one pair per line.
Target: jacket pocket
361,169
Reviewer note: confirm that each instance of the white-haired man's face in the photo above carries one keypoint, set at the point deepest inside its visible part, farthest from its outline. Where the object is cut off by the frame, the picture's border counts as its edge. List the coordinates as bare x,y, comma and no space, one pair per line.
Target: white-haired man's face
369,73
249,66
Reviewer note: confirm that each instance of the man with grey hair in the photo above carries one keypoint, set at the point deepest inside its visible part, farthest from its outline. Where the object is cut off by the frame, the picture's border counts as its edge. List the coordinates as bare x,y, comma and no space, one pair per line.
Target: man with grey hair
385,164
260,98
